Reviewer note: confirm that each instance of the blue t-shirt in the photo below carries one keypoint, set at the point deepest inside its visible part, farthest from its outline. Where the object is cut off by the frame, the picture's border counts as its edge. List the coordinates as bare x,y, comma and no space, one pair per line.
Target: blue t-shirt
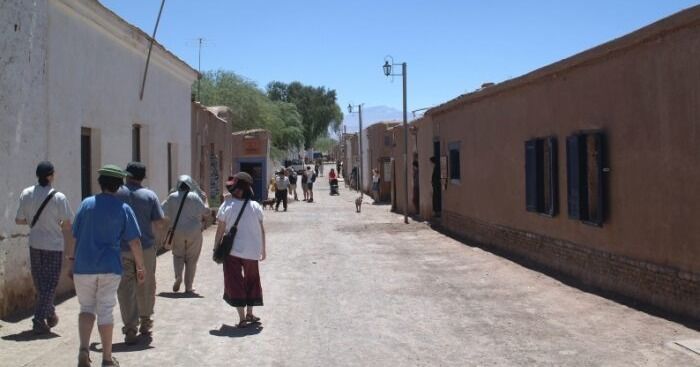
146,206
101,224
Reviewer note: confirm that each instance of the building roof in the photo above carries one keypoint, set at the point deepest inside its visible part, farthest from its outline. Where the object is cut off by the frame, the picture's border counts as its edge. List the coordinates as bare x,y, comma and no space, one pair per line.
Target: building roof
209,111
251,131
682,20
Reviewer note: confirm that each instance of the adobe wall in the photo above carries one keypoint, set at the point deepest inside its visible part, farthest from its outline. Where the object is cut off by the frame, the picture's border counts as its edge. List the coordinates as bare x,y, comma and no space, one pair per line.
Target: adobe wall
643,91
211,151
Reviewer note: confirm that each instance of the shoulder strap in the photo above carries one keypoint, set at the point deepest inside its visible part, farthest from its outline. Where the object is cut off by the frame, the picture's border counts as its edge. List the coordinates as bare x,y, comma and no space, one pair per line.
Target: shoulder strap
240,213
41,208
179,210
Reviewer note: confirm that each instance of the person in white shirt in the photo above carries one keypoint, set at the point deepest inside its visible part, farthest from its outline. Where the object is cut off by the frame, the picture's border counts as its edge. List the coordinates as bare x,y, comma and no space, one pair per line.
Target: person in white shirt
50,231
242,288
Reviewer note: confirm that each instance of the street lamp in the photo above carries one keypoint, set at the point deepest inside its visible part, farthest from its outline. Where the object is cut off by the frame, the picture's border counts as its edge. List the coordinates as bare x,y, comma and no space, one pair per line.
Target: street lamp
388,68
359,112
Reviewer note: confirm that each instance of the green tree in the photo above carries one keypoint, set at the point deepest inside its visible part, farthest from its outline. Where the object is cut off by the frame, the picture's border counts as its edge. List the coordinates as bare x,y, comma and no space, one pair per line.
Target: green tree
318,107
325,144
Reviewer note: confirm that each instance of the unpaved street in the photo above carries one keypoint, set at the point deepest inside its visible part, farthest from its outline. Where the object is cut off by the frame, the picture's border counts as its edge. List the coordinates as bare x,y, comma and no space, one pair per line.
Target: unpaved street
347,289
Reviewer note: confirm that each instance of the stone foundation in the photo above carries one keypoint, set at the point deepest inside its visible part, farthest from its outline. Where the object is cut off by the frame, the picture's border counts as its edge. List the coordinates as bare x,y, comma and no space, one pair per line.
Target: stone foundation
663,287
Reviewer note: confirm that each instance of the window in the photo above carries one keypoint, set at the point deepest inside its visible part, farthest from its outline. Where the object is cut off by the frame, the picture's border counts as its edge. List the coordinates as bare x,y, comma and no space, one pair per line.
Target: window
541,194
388,140
453,161
85,162
136,143
585,156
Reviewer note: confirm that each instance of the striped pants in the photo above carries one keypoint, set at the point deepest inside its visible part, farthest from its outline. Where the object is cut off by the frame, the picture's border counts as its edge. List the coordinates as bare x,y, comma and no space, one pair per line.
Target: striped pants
46,270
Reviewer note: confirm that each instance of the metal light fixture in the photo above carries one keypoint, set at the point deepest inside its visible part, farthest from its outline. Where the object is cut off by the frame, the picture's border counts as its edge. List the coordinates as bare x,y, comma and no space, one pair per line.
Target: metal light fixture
349,108
387,68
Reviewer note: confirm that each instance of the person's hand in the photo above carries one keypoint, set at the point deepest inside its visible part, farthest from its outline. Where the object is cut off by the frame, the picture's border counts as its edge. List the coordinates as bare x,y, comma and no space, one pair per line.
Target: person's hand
140,275
263,256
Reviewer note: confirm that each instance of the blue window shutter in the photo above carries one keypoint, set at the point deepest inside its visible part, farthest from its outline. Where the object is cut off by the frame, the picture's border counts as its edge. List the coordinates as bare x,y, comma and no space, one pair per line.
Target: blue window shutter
573,175
531,176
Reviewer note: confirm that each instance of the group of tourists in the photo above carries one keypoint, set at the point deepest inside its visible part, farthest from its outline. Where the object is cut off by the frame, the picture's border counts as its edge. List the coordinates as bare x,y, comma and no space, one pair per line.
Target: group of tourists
110,249
284,185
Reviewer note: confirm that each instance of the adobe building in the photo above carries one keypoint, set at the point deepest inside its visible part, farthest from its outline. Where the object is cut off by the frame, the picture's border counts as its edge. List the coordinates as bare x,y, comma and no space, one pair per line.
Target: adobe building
352,157
380,143
425,139
70,92
251,153
398,177
589,166
211,151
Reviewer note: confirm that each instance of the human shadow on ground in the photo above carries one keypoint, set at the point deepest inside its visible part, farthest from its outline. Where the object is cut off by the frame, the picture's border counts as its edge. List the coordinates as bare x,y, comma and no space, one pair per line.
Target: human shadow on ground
144,343
237,332
28,313
179,295
28,336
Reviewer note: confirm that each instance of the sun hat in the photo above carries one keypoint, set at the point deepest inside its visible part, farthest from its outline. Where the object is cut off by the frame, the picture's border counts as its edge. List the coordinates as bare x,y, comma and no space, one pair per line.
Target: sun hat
243,176
111,170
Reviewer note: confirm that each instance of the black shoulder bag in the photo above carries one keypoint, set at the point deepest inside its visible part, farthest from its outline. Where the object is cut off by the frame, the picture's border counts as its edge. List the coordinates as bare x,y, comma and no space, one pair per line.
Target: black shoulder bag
41,208
171,232
224,247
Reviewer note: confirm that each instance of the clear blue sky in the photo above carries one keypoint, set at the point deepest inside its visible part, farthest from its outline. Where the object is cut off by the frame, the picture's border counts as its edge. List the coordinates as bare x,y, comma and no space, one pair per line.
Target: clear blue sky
451,46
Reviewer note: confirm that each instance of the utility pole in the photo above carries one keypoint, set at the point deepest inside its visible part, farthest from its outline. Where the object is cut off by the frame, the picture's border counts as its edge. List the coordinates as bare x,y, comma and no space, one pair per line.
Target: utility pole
405,148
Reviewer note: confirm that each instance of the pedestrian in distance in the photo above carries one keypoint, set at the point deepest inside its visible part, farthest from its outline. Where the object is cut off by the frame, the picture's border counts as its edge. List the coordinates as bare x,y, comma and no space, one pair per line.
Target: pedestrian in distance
281,187
375,185
136,301
101,224
333,182
186,212
292,183
305,183
48,215
242,288
310,183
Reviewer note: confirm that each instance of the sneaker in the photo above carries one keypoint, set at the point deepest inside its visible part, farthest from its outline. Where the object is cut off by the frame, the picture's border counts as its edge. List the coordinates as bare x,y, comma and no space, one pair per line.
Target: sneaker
146,326
113,362
130,338
52,320
39,327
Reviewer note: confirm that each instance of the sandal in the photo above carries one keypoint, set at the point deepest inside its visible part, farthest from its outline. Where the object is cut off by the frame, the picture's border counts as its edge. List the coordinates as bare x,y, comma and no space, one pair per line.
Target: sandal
252,318
113,362
242,324
84,358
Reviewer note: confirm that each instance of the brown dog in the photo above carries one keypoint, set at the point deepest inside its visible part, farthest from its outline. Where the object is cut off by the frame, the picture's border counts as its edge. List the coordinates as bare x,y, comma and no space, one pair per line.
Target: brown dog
358,203
268,202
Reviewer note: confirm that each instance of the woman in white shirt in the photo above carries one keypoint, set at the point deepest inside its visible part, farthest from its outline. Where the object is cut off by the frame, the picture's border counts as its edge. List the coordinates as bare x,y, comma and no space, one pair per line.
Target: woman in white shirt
242,288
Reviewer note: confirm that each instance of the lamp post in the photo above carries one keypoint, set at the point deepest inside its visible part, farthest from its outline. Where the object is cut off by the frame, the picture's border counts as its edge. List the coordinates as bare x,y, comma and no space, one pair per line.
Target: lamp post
388,66
359,112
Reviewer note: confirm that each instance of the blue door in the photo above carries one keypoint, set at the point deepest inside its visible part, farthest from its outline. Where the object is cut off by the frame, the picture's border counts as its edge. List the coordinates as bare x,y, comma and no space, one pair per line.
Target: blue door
256,169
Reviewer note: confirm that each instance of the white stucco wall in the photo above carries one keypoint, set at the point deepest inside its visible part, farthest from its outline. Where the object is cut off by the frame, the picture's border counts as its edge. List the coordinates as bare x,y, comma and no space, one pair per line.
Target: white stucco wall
67,64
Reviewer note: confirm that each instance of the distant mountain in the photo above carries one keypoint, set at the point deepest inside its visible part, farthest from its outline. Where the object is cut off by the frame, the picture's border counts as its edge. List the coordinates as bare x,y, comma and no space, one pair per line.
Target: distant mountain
371,115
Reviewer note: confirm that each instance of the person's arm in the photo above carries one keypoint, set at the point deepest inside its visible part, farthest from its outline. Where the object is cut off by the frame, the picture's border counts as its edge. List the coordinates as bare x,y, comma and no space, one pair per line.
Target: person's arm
264,246
220,229
137,251
20,218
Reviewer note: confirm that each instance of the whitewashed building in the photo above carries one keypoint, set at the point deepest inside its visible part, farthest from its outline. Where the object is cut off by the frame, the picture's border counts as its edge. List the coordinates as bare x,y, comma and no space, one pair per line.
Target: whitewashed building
70,77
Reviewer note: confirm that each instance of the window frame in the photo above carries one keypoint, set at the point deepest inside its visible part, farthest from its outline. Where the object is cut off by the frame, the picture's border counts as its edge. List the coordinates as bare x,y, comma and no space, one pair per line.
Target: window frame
538,178
454,146
579,176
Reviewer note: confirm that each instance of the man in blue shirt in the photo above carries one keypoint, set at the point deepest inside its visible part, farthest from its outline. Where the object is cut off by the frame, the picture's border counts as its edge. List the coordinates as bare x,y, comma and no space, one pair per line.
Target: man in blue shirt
101,224
136,301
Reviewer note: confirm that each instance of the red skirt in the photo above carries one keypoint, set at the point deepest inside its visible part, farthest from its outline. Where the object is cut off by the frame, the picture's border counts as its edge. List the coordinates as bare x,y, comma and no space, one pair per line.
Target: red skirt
242,282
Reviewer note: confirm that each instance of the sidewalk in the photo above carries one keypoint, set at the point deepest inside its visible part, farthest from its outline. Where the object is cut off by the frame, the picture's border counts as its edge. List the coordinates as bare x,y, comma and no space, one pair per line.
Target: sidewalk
348,289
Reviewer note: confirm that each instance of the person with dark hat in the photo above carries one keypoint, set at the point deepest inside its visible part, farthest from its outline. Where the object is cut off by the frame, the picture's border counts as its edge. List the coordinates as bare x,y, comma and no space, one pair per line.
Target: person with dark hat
102,224
136,301
281,187
186,211
242,288
48,215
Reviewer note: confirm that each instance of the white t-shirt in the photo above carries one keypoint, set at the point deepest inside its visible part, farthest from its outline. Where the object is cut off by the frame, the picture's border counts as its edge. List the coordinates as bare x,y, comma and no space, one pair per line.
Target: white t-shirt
46,233
248,241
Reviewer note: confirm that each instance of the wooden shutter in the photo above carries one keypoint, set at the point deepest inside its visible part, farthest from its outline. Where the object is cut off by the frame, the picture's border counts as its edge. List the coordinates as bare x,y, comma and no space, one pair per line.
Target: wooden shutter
532,199
553,177
573,176
597,178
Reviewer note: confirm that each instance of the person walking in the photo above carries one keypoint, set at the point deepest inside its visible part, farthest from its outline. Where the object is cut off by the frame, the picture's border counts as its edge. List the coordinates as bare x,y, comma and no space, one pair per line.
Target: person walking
102,223
186,212
48,215
136,301
310,183
305,183
293,183
436,183
281,186
375,185
242,288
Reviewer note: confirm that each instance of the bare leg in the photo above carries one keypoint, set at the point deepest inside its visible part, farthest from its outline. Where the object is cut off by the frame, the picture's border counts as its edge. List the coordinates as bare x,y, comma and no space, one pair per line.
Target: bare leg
241,315
106,337
85,323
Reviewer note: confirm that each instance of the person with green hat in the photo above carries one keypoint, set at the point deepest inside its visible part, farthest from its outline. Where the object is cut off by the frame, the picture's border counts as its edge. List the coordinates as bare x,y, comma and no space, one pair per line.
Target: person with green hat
101,224
48,215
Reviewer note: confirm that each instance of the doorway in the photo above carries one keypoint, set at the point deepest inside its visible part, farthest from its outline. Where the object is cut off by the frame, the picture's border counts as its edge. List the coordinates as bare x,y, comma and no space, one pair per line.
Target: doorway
85,162
255,169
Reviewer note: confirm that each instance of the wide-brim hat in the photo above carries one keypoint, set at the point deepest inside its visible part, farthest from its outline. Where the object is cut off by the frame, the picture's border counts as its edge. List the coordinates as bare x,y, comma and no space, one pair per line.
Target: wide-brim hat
244,176
111,170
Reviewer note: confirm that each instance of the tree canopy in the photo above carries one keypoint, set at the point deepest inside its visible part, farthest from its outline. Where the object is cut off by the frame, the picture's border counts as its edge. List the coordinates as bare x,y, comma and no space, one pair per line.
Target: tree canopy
252,108
317,106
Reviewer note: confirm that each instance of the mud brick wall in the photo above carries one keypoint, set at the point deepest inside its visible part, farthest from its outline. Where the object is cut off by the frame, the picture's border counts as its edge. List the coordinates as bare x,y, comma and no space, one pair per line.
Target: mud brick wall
660,286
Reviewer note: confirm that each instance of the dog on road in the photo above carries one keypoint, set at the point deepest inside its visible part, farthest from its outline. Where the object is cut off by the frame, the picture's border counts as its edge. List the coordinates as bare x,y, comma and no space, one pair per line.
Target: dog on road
358,203
268,202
